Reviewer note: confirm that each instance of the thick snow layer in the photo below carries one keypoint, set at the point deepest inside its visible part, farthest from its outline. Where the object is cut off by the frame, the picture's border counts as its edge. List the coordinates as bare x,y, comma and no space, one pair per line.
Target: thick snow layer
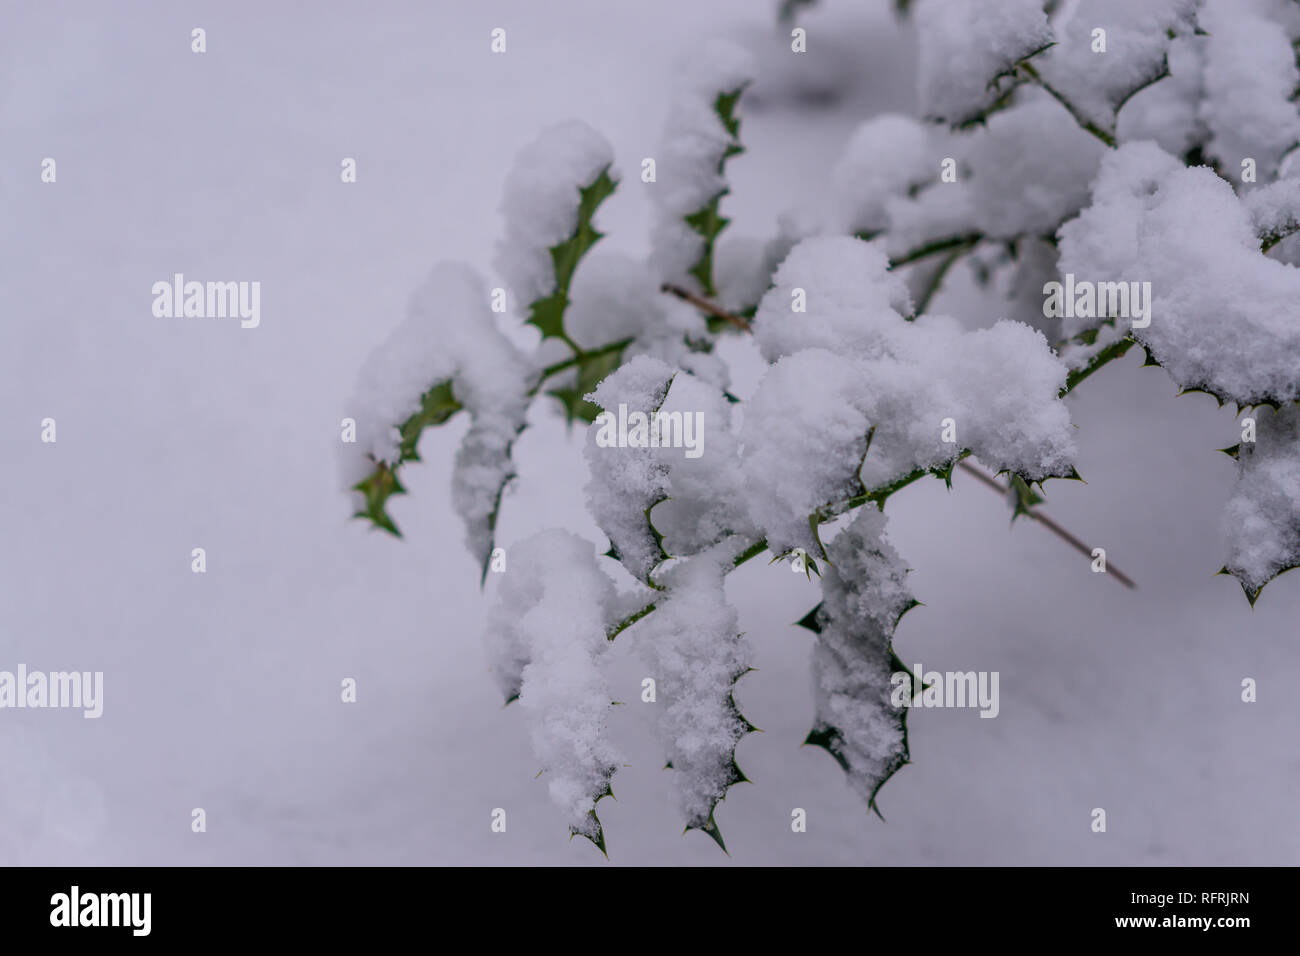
1262,518
943,211
693,486
1169,111
1030,168
544,640
964,46
1275,208
864,592
626,482
743,267
695,651
925,390
887,156
1136,37
540,203
852,301
1250,83
1224,318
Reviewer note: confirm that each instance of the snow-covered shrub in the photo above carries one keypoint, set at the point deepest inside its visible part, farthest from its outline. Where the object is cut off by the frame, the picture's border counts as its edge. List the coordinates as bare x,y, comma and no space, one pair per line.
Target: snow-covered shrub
1147,150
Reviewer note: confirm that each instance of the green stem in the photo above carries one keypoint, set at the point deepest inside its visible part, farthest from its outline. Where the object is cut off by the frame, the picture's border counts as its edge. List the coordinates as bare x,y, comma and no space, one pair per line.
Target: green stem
936,246
579,358
1106,355
1084,123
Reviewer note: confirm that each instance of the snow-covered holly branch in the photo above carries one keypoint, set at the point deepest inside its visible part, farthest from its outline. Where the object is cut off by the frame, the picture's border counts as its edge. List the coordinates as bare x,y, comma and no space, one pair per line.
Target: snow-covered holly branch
1050,152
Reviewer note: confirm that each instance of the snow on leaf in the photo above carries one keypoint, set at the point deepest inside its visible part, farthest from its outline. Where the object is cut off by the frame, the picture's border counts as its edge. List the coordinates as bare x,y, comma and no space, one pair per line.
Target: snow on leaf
1275,210
887,156
627,482
1250,83
852,365
1224,318
864,595
1018,191
1262,517
967,51
675,488
696,652
544,639
446,355
701,134
1137,37
551,197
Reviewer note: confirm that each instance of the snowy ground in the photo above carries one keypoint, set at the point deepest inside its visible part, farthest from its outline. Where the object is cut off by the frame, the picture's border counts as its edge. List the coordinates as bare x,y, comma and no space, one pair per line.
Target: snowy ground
222,689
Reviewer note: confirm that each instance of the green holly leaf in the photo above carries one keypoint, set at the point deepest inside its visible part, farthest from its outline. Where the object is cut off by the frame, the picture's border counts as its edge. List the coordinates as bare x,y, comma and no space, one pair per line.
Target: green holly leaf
437,405
548,313
1023,497
810,620
378,487
592,368
735,775
597,838
708,222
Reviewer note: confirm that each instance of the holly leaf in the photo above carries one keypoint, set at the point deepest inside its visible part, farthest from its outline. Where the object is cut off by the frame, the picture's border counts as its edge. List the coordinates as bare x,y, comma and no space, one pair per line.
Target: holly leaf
708,222
548,313
437,405
735,775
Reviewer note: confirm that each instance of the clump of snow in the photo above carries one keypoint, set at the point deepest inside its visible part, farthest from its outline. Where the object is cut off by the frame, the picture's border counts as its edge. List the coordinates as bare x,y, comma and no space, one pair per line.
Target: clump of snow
1224,318
864,592
544,639
852,365
692,485
449,333
964,46
1275,208
1030,168
1250,82
1137,37
1168,111
886,156
541,202
743,267
852,300
613,297
804,435
695,651
689,162
706,492
626,482
942,211
1262,518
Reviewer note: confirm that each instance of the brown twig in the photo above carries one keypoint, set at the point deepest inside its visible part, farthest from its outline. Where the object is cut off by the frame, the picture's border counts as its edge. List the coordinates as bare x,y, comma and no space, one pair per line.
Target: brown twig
704,305
1047,523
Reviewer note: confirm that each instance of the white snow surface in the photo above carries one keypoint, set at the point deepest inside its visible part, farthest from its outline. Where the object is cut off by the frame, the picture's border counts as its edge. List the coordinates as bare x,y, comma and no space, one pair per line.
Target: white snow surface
964,46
